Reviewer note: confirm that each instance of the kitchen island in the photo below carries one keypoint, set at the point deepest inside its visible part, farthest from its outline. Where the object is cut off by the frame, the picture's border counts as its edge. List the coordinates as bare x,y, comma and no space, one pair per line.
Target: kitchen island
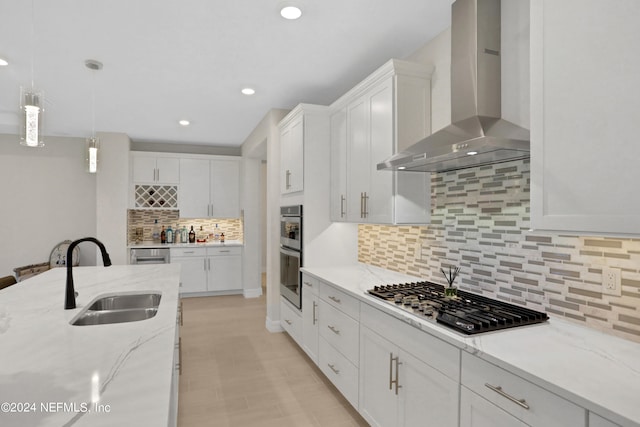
55,374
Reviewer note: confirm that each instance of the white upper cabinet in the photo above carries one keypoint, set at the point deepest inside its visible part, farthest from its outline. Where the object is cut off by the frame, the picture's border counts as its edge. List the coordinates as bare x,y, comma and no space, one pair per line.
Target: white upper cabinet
150,168
339,165
292,152
209,188
382,115
585,99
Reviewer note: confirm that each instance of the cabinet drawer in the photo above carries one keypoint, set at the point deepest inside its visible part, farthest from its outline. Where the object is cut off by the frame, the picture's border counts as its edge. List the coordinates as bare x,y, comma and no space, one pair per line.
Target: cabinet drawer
341,331
342,373
291,321
227,250
310,284
512,394
436,353
185,252
340,300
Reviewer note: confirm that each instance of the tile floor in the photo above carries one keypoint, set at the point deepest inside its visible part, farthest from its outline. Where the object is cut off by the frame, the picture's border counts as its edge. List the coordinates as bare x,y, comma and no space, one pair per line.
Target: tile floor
235,373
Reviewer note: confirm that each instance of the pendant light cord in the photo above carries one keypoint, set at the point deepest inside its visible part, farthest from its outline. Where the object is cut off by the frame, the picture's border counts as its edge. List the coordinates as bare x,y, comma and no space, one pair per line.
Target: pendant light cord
33,42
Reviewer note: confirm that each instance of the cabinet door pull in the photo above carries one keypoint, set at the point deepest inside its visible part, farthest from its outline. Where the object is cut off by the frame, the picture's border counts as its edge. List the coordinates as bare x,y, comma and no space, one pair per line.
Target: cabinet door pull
391,380
365,213
223,251
334,299
288,321
342,200
288,179
361,205
181,313
498,389
333,368
334,329
180,355
307,283
315,319
189,252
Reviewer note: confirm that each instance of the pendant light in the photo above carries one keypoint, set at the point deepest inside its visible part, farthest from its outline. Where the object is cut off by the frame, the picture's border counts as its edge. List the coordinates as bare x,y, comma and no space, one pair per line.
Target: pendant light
92,143
31,102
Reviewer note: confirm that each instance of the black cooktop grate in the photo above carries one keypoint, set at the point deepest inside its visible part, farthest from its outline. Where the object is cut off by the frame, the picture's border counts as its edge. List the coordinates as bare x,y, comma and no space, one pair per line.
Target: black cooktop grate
467,313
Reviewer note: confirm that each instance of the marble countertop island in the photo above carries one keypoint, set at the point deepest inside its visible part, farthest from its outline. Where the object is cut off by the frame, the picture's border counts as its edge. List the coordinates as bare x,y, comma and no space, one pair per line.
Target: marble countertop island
597,371
56,374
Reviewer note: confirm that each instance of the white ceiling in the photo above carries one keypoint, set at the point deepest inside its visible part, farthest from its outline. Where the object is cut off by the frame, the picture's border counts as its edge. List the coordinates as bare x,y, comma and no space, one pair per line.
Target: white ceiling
168,60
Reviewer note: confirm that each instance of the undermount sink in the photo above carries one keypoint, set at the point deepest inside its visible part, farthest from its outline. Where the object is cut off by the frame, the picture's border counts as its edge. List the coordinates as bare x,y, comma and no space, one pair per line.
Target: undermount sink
129,301
119,309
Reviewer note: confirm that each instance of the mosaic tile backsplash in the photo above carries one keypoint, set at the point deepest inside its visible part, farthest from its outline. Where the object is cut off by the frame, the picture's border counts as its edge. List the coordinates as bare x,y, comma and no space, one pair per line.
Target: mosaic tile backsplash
480,222
232,228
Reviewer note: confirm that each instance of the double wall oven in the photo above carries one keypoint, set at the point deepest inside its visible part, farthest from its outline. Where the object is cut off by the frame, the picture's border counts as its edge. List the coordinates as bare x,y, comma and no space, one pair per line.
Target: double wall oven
291,254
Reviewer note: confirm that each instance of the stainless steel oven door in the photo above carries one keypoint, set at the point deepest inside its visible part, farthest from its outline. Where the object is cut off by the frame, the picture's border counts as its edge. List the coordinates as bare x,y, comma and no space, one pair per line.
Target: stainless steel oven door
291,232
290,285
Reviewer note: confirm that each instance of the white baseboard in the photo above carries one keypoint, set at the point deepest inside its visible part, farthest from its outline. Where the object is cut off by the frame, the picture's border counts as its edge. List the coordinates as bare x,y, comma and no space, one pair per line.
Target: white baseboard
252,293
273,325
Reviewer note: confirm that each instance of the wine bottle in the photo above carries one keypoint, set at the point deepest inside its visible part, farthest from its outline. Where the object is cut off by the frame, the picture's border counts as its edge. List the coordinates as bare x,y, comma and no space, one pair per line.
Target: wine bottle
192,235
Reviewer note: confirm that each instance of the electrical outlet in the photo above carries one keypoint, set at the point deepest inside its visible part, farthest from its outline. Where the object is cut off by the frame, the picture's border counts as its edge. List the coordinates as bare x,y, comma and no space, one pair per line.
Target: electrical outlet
611,283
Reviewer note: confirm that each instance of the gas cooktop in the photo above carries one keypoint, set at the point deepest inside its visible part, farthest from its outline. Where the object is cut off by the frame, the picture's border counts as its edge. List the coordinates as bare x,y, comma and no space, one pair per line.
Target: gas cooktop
466,312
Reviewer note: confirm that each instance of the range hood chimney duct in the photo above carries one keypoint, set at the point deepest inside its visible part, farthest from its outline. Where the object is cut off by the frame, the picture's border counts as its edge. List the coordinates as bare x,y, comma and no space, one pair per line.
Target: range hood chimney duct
478,135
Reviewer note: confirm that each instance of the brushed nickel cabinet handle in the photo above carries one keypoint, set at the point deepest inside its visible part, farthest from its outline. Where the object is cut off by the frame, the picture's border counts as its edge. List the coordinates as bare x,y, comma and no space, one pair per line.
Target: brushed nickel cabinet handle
315,319
393,382
342,200
333,368
366,206
334,299
307,283
288,321
390,371
180,355
181,313
361,205
288,179
498,389
223,252
334,330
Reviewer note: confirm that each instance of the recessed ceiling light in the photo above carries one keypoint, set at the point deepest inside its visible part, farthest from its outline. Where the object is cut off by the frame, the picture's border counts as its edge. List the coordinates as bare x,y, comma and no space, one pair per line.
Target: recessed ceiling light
291,12
3,62
184,122
401,168
248,91
472,153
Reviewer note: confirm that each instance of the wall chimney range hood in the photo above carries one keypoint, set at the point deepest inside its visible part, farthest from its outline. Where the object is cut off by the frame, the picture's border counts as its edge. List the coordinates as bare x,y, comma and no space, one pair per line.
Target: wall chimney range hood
478,135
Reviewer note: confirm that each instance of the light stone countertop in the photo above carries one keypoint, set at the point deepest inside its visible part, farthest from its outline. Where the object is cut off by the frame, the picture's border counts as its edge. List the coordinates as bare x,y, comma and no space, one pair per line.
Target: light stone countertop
46,360
595,370
213,244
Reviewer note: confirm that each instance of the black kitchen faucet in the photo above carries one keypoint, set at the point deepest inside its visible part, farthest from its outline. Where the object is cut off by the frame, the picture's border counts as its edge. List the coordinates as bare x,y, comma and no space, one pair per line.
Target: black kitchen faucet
70,294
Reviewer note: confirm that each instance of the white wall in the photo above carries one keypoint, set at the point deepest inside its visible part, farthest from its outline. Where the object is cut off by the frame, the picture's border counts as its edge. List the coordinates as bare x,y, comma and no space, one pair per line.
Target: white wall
264,141
46,196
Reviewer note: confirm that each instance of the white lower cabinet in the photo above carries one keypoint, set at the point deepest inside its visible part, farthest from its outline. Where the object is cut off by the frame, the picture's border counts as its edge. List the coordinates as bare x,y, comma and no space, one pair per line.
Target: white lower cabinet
342,373
209,269
397,389
291,320
177,371
193,271
505,392
596,420
225,269
477,412
310,311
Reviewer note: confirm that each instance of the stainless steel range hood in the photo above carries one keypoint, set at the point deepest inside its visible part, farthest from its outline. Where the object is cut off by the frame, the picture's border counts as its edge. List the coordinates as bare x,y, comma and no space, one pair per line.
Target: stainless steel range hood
478,135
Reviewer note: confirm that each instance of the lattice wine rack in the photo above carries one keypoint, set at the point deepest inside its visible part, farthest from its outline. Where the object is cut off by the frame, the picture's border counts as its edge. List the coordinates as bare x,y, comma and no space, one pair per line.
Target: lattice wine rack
156,196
